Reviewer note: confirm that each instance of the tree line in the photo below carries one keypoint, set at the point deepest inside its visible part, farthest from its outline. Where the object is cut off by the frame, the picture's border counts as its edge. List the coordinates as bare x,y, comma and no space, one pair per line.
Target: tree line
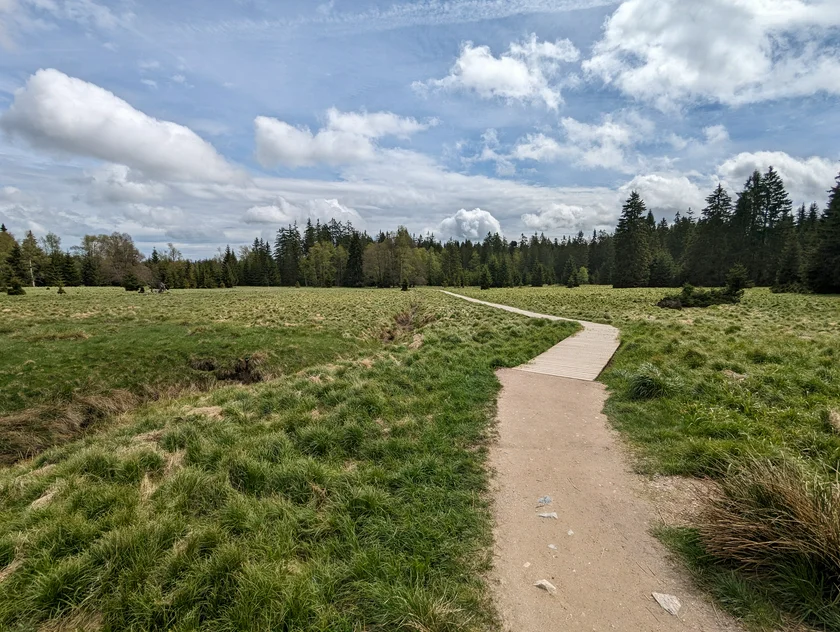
790,250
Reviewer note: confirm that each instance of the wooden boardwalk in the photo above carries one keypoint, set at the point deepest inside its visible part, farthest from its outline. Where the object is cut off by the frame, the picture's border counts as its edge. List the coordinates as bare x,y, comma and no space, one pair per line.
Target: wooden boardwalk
579,357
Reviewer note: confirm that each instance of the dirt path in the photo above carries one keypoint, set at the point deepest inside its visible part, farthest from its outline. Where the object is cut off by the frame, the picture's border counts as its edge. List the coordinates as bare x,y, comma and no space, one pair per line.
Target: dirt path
598,553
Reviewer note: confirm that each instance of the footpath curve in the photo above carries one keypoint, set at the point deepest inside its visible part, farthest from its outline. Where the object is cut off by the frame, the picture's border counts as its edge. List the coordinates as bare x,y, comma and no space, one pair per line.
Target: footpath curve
580,357
594,547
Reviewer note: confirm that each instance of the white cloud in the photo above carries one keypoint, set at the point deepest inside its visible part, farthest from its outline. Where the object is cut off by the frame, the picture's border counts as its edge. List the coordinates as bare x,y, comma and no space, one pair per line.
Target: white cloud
117,183
149,82
282,212
806,179
538,147
554,216
665,192
54,111
347,138
603,145
716,134
671,51
473,225
375,124
524,73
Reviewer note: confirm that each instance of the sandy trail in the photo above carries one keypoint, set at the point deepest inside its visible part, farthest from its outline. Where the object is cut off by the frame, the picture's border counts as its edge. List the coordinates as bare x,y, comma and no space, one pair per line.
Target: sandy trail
553,440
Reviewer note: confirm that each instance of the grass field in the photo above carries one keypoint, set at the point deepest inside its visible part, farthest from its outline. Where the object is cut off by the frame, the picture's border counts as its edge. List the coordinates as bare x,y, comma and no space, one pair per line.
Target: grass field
69,361
346,492
747,394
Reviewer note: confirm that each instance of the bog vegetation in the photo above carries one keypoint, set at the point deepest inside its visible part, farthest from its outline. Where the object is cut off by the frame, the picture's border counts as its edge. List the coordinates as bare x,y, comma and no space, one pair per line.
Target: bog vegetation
345,491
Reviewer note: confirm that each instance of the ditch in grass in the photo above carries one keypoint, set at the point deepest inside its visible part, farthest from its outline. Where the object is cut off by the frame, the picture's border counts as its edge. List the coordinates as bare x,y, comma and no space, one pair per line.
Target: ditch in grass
72,363
347,496
722,392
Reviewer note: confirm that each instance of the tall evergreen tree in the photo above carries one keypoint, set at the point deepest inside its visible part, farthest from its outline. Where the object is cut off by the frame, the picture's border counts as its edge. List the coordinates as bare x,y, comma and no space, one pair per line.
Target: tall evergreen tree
632,245
355,261
824,265
708,251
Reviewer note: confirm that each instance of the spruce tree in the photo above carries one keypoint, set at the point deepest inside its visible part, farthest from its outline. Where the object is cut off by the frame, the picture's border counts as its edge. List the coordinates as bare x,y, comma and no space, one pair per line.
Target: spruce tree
632,245
706,259
486,279
824,265
355,274
789,272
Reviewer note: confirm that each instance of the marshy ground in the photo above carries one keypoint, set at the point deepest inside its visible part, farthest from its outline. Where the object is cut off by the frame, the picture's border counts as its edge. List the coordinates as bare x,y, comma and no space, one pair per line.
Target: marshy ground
316,459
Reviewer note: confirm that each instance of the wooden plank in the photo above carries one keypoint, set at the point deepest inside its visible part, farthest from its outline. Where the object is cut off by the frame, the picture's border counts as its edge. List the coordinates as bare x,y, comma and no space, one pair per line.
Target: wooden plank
581,357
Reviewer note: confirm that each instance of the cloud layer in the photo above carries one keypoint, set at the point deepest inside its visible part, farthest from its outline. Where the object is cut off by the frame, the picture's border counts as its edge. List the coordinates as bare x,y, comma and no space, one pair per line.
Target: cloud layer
347,137
57,112
668,52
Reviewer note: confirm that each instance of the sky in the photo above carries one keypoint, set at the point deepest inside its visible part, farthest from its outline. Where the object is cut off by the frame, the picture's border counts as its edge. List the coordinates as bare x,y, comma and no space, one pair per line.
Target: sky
212,122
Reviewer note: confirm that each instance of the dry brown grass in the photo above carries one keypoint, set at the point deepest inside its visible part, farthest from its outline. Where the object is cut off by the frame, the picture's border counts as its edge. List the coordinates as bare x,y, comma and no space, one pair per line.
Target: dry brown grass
834,420
78,621
28,432
775,515
5,573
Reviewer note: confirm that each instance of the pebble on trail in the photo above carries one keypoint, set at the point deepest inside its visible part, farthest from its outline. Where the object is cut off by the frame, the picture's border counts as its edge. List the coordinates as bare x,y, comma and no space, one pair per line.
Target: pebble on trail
552,515
669,603
542,502
547,586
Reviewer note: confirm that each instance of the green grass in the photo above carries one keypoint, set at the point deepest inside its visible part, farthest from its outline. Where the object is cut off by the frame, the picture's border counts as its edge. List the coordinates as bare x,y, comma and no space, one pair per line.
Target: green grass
349,495
70,361
700,391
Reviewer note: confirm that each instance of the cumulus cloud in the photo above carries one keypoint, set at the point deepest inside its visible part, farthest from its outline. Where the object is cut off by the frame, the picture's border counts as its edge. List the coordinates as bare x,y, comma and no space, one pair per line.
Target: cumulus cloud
589,145
473,225
348,137
282,212
57,112
669,51
554,216
806,179
524,73
665,192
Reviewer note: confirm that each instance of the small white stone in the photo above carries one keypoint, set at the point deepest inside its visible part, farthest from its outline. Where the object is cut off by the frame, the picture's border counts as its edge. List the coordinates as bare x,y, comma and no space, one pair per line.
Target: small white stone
552,515
571,532
669,603
553,547
526,565
547,586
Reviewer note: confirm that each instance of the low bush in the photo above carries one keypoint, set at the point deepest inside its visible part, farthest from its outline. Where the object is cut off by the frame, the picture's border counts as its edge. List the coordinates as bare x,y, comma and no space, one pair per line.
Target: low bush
780,521
648,383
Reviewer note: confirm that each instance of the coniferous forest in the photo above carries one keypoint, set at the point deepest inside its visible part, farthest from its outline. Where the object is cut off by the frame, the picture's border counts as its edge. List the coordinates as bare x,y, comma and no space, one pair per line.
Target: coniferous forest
789,249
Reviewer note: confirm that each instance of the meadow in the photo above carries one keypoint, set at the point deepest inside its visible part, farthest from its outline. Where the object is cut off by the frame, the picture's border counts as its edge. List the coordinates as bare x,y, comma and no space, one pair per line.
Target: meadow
71,361
747,395
345,489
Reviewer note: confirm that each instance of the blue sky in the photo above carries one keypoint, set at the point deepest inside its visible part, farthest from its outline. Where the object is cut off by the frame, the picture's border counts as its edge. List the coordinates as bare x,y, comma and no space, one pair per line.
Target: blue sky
208,123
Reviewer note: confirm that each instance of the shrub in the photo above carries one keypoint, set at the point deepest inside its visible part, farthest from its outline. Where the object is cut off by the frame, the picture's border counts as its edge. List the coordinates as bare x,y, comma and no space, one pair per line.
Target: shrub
131,283
648,383
15,288
780,521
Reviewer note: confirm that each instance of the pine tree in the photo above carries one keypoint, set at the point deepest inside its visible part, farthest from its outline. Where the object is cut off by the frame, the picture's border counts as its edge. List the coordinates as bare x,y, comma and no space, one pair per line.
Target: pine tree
632,245
355,257
707,256
486,279
70,272
824,265
662,270
789,273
